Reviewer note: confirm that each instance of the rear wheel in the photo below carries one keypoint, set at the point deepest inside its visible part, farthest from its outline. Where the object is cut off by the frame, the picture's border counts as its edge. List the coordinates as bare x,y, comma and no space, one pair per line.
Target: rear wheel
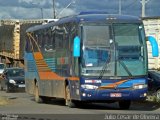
36,94
69,101
1,88
125,104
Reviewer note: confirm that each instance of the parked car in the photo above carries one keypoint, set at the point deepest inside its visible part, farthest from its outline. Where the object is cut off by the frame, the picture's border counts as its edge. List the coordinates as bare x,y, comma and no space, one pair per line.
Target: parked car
13,79
2,67
154,83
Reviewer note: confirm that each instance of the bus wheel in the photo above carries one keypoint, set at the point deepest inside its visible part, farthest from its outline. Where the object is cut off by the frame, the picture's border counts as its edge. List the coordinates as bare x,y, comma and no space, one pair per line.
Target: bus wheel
158,94
1,88
36,95
7,89
68,100
125,104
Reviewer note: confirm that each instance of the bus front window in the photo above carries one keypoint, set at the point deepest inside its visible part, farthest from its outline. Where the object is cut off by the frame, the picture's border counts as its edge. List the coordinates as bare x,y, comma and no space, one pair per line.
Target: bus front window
97,51
95,56
130,50
118,50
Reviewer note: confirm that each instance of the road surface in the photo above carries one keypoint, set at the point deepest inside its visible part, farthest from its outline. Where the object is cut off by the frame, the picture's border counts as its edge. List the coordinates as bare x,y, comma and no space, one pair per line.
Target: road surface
22,104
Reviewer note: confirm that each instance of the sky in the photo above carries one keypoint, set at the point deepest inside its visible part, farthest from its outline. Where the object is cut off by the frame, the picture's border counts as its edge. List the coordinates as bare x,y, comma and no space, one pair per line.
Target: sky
37,9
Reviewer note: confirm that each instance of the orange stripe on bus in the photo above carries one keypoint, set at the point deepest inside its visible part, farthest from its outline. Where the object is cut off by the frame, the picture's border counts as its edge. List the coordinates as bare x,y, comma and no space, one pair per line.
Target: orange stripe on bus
54,76
73,78
38,55
113,85
45,72
40,63
50,76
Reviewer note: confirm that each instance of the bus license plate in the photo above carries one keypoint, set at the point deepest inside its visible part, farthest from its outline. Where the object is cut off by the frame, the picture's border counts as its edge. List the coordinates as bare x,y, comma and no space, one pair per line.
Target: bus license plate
115,95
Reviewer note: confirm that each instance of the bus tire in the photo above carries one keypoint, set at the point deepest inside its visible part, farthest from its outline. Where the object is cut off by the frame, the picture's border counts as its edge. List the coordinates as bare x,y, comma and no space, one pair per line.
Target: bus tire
158,95
68,100
1,88
7,89
124,104
37,98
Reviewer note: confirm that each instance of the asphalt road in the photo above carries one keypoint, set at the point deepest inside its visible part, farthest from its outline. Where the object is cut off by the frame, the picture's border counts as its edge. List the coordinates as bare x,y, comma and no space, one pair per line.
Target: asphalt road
22,104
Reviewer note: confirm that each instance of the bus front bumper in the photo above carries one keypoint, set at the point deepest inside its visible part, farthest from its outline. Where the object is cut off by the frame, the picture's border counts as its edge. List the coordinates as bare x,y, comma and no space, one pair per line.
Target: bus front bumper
110,94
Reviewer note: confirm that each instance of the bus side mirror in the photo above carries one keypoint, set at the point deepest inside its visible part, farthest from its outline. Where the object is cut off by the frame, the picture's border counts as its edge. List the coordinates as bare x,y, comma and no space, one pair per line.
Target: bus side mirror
76,47
154,44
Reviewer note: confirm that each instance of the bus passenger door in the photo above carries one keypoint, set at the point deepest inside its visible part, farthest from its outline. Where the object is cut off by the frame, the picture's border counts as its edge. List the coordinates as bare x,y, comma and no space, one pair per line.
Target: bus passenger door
74,68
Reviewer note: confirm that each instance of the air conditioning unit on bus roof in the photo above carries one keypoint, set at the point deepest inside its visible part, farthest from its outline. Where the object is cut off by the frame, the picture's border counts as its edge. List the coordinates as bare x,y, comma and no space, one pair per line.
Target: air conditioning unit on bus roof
92,12
49,21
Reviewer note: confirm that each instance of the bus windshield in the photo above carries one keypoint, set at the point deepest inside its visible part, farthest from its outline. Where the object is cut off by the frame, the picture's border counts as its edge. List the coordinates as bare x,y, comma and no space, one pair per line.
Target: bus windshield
117,50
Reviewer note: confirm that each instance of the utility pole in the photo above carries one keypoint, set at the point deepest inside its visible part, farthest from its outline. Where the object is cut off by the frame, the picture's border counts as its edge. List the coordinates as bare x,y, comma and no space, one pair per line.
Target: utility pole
42,13
120,7
144,2
54,10
41,9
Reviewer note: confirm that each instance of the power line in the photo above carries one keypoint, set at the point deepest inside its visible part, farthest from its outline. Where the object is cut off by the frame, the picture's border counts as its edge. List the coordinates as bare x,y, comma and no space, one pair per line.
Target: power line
72,2
131,4
126,7
54,9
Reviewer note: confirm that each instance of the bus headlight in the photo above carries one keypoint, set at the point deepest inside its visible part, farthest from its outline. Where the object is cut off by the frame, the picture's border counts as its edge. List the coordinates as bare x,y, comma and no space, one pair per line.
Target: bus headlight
140,86
12,81
89,86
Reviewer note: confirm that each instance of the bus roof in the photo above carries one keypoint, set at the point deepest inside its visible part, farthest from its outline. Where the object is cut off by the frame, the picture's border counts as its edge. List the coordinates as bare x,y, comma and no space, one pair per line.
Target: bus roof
91,17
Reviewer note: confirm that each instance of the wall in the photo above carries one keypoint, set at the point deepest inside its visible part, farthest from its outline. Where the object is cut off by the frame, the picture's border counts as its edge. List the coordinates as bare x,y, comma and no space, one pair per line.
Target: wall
152,28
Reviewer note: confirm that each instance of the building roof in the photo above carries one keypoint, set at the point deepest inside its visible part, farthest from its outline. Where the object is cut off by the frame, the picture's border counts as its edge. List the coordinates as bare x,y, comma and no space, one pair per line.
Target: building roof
155,17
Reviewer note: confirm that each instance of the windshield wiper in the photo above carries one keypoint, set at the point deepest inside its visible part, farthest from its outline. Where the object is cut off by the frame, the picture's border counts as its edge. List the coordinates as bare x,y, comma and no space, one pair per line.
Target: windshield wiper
125,67
103,70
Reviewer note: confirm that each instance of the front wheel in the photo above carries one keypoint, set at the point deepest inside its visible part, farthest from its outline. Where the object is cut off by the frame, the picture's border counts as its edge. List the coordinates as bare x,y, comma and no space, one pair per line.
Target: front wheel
158,95
125,104
1,88
68,100
7,89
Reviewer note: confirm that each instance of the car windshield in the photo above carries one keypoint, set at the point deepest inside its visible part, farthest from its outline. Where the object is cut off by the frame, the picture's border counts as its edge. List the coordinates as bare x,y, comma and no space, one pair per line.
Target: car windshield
1,66
15,72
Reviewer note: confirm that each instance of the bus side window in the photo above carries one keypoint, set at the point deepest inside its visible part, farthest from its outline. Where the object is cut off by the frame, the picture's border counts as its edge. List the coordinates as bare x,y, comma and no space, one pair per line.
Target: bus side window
35,42
48,47
43,42
28,45
53,40
40,39
74,61
91,57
